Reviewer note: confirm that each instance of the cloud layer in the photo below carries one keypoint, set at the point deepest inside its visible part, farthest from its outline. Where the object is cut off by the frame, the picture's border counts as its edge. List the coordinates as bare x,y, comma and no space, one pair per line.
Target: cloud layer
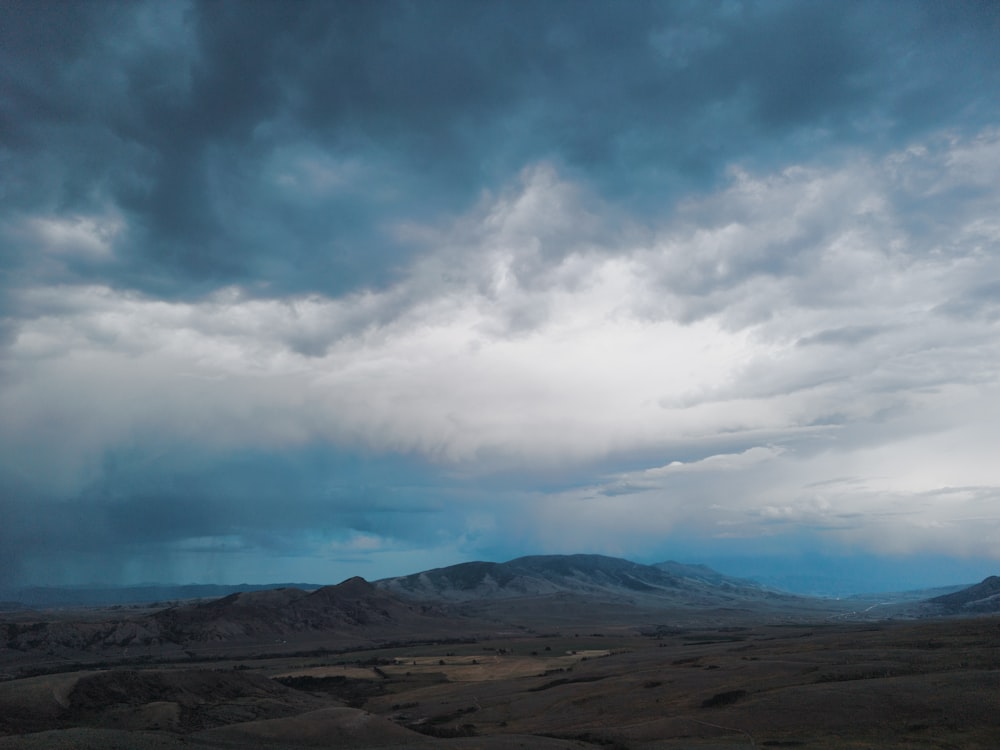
332,288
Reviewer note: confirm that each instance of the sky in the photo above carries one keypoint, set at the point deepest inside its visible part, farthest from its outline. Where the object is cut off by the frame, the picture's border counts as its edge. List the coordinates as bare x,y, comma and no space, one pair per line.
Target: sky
302,291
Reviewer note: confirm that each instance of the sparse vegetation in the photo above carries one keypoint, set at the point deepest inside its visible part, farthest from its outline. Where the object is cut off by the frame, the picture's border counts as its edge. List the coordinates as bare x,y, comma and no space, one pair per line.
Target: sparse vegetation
723,699
601,682
353,692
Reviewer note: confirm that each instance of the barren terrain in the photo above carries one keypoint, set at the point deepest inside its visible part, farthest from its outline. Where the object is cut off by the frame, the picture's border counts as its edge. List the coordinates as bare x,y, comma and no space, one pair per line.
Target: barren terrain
354,667
931,684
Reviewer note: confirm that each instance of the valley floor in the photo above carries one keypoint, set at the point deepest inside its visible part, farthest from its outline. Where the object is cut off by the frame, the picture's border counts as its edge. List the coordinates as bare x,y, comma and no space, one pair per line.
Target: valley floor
828,684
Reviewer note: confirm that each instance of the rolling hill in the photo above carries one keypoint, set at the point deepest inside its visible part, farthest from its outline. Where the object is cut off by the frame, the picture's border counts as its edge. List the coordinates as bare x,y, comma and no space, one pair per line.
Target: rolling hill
353,607
94,596
352,612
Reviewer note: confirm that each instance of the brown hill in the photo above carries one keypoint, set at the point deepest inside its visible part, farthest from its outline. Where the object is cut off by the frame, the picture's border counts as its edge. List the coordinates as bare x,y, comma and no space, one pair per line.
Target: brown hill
351,613
351,607
168,699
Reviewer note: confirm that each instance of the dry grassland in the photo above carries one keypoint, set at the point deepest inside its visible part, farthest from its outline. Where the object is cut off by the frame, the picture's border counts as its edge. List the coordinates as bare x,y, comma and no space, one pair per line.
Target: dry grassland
913,685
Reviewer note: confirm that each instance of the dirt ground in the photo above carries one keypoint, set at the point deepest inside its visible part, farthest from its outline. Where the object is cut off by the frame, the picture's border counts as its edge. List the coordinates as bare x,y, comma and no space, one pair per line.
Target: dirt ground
907,684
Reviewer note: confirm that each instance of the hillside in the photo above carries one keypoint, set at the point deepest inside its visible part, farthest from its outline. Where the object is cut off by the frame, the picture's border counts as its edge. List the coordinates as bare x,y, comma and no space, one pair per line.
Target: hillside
981,598
352,612
597,576
91,596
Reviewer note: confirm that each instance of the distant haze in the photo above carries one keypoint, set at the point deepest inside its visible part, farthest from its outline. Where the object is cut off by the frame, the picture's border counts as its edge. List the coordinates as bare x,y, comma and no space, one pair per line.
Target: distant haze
302,291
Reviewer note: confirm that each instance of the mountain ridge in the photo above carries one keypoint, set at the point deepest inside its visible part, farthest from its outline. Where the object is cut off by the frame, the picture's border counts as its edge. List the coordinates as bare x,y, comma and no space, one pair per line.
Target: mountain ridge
353,611
545,591
979,598
584,574
134,594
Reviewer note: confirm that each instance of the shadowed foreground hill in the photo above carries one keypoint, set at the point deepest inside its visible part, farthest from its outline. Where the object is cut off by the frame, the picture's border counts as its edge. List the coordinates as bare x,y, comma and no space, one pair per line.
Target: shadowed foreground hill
174,700
196,708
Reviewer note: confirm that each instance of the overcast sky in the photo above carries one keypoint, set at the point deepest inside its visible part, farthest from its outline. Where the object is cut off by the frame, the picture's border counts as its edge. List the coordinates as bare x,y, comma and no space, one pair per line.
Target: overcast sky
301,291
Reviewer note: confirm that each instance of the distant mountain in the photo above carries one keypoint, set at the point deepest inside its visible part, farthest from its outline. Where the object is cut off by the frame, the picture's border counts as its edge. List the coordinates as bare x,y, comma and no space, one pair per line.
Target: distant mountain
589,575
909,595
982,597
93,596
705,575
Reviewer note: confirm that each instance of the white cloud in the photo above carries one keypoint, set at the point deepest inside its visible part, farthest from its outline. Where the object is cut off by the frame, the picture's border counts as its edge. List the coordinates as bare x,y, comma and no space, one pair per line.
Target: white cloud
91,237
784,331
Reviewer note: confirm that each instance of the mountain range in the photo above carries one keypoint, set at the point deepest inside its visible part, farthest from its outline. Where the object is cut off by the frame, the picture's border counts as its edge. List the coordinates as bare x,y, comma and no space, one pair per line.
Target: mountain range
610,578
350,612
146,593
542,592
558,651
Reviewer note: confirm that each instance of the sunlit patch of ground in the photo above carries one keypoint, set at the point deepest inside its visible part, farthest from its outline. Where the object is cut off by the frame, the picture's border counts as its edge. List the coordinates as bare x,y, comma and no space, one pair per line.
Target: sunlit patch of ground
455,668
342,670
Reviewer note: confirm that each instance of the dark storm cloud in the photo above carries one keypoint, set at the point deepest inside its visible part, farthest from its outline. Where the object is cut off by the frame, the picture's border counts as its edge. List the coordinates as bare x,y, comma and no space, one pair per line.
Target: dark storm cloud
268,498
304,279
186,119
277,503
